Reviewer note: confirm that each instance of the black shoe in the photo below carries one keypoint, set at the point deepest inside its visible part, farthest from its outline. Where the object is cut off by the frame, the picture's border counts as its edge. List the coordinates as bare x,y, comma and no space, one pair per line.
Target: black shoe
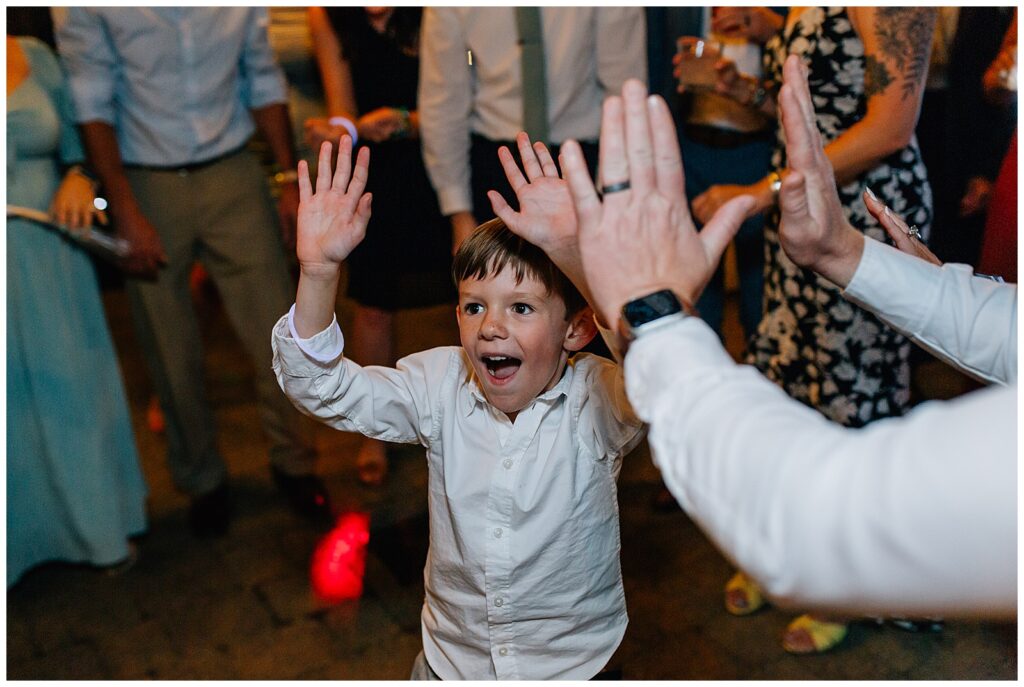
307,496
210,513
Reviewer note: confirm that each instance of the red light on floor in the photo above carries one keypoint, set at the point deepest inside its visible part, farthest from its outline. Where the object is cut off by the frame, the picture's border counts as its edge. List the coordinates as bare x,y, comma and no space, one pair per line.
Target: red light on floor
339,561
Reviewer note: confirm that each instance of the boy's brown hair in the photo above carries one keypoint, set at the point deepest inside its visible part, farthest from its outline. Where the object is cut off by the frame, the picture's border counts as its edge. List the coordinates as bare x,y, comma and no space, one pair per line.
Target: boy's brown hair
493,246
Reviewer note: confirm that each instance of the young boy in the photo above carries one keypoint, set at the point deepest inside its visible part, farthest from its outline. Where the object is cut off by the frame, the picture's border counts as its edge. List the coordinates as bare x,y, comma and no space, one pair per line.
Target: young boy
523,442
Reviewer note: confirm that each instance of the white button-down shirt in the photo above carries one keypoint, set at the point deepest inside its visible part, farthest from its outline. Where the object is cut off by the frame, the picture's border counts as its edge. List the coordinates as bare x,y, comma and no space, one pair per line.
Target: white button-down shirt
589,53
522,578
914,515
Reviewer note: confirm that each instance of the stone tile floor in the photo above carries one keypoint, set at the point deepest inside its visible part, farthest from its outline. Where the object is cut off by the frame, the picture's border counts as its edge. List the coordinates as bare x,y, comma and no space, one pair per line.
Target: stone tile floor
241,607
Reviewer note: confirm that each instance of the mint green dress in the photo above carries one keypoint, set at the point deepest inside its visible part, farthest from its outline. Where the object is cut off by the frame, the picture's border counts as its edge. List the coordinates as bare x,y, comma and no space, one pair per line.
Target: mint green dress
74,488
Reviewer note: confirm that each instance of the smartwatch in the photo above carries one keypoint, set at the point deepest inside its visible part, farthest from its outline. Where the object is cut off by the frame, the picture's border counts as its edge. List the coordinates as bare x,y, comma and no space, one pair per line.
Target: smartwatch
648,313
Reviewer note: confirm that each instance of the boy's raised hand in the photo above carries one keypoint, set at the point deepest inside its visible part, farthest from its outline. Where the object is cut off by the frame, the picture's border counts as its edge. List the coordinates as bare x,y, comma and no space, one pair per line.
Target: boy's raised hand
333,218
546,216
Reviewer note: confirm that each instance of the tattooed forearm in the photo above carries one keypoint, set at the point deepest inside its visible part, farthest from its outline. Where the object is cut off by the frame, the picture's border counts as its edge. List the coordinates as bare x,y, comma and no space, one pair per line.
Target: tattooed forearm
876,76
905,36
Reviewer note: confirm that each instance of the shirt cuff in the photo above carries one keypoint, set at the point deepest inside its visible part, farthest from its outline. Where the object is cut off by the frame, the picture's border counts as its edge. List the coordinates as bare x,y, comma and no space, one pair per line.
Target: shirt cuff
887,282
454,199
324,346
656,361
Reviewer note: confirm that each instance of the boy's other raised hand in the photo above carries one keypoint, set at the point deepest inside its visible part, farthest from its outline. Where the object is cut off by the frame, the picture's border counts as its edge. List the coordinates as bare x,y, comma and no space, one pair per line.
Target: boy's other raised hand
546,216
333,217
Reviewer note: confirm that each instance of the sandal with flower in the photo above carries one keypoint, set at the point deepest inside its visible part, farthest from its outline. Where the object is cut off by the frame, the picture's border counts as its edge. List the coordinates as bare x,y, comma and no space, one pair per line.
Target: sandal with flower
810,635
742,595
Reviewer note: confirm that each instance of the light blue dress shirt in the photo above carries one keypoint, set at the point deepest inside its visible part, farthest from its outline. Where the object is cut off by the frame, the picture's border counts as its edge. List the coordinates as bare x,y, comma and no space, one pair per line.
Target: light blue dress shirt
176,83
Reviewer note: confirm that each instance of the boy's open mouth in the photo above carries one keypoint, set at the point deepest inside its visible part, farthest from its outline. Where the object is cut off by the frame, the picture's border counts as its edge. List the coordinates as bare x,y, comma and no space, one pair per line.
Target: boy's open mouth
501,367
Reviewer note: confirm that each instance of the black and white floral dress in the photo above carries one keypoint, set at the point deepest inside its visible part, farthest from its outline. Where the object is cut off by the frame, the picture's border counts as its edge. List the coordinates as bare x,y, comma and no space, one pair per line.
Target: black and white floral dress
823,350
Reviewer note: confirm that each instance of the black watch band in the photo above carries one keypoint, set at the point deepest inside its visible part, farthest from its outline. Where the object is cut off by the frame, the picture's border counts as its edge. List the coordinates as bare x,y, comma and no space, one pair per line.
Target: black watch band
650,312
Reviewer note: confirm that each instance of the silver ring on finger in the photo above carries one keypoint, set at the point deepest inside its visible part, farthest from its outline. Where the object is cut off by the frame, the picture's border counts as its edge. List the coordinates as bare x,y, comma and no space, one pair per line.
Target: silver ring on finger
615,188
914,232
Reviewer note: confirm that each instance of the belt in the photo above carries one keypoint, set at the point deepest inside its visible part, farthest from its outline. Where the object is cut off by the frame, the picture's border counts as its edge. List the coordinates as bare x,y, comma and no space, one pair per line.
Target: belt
713,137
189,167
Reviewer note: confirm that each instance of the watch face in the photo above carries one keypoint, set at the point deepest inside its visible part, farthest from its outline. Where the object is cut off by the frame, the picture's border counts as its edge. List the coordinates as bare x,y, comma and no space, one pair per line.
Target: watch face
651,307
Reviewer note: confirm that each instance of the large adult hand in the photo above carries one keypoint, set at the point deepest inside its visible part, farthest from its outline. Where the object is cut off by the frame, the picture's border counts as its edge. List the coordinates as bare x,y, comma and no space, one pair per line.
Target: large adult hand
146,254
813,231
332,219
642,239
707,204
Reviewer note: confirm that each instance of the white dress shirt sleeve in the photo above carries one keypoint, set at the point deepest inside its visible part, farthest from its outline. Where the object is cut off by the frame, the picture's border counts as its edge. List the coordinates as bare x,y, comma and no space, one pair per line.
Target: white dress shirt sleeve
621,47
445,101
914,516
89,60
390,404
969,322
609,427
263,80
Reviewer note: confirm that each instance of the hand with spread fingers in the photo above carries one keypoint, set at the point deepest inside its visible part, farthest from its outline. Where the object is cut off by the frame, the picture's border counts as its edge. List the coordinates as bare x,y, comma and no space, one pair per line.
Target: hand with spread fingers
640,238
546,216
332,222
333,218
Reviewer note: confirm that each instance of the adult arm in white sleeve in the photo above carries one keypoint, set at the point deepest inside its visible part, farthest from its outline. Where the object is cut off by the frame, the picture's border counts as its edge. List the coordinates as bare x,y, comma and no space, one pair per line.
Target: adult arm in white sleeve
445,101
911,516
967,321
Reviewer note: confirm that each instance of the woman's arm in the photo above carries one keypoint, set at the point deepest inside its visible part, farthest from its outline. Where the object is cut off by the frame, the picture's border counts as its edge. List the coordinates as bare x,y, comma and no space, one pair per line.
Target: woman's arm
334,70
897,43
339,91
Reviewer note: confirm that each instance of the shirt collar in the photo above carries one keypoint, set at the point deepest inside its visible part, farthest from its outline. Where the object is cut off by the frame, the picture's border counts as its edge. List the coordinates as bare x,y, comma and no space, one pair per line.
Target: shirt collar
475,398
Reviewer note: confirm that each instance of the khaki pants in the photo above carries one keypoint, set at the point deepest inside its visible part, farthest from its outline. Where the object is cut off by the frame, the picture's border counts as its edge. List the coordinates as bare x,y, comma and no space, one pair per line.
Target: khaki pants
222,216
421,670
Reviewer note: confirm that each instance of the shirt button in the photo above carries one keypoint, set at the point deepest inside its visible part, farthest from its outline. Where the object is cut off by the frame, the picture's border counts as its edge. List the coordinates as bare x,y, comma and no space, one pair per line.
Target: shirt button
507,463
499,602
503,651
497,533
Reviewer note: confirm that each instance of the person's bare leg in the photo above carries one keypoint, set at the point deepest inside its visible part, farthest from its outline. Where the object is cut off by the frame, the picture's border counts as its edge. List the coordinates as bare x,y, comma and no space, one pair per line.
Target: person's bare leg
372,344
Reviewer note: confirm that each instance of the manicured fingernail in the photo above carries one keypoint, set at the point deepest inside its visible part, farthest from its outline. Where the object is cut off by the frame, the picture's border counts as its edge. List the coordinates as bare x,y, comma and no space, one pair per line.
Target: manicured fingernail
871,193
888,213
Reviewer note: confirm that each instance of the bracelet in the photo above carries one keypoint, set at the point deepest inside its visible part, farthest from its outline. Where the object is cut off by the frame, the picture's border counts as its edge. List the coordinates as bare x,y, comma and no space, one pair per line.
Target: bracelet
775,184
338,120
289,176
81,171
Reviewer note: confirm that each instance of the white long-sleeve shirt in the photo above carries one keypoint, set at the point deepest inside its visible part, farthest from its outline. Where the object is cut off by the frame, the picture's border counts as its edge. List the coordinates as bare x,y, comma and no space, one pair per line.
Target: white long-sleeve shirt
589,53
522,578
911,516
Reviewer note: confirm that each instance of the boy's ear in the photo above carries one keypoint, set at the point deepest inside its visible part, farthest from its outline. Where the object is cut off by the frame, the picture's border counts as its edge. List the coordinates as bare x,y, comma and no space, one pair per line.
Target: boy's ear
581,330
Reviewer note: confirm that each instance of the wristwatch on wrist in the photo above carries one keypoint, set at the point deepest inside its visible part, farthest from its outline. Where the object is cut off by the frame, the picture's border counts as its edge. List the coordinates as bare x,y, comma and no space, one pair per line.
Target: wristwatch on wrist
646,314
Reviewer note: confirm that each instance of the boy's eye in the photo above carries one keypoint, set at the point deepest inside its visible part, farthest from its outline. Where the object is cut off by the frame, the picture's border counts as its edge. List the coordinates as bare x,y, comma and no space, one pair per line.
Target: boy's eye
473,308
522,309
